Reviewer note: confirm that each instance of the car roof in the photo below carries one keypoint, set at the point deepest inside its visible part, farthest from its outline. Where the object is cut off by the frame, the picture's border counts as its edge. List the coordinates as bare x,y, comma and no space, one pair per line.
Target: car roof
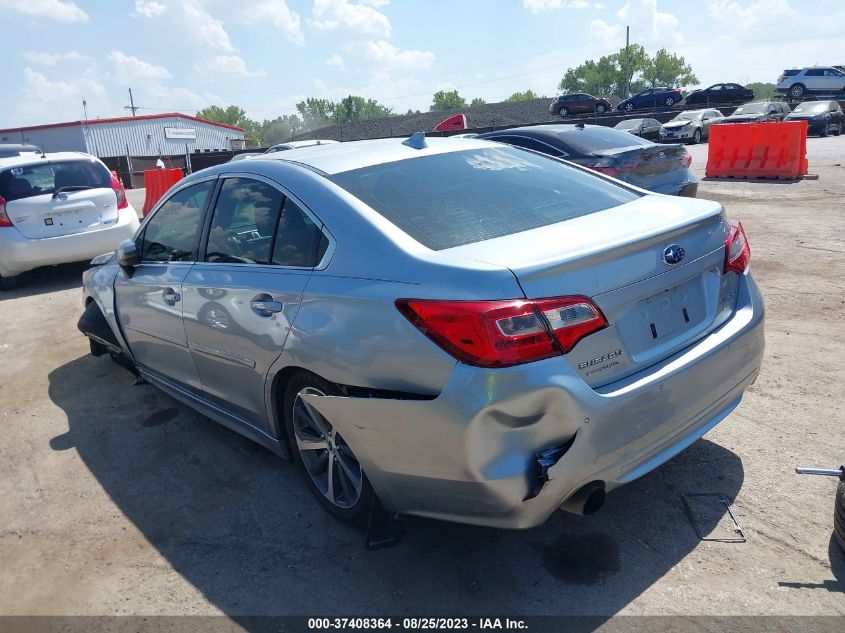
31,159
22,146
334,158
306,143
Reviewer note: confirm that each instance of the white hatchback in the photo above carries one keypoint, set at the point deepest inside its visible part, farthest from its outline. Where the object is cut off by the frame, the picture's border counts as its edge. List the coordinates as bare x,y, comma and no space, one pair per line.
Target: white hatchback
58,208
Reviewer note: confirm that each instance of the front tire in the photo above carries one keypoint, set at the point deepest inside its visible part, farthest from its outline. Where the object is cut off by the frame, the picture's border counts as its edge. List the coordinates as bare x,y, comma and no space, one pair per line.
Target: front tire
563,112
839,515
797,91
629,106
331,471
601,108
825,129
696,137
8,283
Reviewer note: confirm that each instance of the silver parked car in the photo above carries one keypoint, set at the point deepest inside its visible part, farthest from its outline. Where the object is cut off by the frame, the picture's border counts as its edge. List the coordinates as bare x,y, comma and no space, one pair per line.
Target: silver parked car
463,329
692,126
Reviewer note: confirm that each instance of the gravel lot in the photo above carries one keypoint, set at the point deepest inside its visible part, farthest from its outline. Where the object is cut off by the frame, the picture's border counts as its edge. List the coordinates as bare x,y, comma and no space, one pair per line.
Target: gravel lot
117,500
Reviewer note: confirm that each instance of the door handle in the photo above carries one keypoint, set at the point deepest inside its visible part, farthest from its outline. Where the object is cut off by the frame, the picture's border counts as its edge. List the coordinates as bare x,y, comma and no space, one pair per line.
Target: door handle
264,305
170,296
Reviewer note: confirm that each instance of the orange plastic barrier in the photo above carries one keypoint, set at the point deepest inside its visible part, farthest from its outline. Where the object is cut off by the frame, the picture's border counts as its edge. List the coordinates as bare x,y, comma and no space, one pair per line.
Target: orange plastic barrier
758,150
157,181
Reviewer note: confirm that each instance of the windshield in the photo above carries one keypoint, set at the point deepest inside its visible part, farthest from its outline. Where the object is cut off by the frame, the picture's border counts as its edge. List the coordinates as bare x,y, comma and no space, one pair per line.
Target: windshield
27,181
751,108
688,116
456,198
811,107
627,125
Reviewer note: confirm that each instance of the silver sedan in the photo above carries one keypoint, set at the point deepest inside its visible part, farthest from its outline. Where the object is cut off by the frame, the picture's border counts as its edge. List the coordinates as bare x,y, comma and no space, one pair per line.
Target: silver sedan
458,328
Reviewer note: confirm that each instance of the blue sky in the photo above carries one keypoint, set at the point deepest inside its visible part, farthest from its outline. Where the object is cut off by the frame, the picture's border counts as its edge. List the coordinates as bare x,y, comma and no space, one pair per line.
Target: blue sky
265,55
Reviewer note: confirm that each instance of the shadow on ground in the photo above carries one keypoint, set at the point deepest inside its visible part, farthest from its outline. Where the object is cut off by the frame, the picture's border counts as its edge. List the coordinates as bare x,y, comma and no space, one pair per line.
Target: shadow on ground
48,279
237,522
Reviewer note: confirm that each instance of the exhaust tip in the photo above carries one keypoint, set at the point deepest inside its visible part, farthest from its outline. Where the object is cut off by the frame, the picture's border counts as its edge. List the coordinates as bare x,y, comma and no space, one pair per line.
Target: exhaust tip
586,500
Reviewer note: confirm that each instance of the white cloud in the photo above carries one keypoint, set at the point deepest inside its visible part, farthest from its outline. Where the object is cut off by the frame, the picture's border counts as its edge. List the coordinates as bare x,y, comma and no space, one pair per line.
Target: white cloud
148,9
130,69
277,13
229,65
60,10
540,6
336,61
746,14
330,15
375,3
47,100
51,59
207,29
648,25
388,56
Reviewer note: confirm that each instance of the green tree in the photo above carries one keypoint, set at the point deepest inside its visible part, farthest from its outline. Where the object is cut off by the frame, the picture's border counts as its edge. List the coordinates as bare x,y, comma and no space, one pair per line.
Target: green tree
352,108
279,130
447,101
762,90
622,74
528,95
316,113
232,115
478,101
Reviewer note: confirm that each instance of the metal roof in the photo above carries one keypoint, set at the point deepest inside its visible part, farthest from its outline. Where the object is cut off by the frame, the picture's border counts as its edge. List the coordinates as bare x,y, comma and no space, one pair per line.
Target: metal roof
122,119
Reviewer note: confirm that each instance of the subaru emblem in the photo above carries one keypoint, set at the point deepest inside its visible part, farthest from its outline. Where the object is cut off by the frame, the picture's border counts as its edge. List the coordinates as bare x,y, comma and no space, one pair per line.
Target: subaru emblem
673,254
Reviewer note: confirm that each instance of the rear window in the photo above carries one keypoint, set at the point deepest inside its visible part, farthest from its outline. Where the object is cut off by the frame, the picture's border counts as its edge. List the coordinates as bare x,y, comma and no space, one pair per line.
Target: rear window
595,139
26,181
458,198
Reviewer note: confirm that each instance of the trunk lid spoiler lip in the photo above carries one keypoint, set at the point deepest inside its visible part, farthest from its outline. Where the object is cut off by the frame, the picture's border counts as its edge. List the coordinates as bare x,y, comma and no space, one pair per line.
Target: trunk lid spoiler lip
635,150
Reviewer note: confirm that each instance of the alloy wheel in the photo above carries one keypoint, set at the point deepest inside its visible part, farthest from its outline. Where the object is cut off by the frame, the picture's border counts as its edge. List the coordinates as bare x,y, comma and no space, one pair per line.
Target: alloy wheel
327,457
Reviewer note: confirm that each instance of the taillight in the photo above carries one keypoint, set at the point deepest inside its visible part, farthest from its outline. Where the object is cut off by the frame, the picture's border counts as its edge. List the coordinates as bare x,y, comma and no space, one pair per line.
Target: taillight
737,250
686,160
605,166
781,78
5,220
120,192
504,333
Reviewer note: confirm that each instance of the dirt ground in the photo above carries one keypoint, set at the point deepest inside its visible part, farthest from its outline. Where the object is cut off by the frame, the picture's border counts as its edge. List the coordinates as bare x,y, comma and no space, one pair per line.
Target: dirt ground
115,499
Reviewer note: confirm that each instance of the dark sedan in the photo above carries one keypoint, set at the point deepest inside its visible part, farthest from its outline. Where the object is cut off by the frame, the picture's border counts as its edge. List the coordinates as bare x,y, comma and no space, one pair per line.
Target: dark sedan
580,103
822,117
652,97
659,168
646,128
719,94
758,112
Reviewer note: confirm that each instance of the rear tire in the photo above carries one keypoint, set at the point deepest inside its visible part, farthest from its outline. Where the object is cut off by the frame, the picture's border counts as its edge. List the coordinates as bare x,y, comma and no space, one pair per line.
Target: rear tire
797,91
669,101
319,466
839,516
8,283
563,112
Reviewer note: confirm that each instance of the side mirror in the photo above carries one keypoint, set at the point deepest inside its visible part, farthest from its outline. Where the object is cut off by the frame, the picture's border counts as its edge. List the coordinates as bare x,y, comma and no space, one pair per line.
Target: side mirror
127,254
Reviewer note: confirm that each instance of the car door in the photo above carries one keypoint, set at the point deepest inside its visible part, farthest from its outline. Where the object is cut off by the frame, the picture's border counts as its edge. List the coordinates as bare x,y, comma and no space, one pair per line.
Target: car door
834,80
650,129
148,299
241,299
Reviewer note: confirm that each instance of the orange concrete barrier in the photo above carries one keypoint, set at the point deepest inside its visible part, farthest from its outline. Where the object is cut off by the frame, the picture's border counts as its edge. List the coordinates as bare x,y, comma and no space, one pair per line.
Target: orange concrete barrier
758,150
157,181
456,122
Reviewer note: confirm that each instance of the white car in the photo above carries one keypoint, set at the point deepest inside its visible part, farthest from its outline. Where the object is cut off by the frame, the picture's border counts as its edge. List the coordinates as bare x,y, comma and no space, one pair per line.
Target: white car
56,209
797,82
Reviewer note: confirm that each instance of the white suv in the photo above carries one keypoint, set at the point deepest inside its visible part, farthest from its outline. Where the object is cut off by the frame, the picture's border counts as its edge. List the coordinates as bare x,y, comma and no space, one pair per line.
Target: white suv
797,82
58,208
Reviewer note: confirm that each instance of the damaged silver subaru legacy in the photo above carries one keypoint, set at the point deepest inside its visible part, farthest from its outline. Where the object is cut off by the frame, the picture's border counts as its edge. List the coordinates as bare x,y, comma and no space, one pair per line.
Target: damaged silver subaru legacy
450,328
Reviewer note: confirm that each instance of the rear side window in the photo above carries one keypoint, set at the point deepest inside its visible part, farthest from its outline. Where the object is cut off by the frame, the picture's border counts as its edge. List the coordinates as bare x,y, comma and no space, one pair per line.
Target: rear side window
171,234
593,139
244,222
299,241
814,72
456,198
27,181
791,73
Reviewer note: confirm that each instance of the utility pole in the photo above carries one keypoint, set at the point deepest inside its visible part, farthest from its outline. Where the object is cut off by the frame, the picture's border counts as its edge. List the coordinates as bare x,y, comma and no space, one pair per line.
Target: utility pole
627,62
132,105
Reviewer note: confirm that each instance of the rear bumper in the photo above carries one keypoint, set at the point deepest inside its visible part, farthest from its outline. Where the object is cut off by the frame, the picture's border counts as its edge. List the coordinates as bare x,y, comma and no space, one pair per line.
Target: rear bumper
19,254
469,455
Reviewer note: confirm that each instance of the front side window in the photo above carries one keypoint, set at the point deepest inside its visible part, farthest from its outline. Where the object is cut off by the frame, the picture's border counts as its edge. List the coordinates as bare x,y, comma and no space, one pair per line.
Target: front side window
171,234
244,222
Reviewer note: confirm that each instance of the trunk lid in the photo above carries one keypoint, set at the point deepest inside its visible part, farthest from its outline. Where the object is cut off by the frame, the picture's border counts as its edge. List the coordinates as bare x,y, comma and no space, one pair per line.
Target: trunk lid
660,168
615,257
55,198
